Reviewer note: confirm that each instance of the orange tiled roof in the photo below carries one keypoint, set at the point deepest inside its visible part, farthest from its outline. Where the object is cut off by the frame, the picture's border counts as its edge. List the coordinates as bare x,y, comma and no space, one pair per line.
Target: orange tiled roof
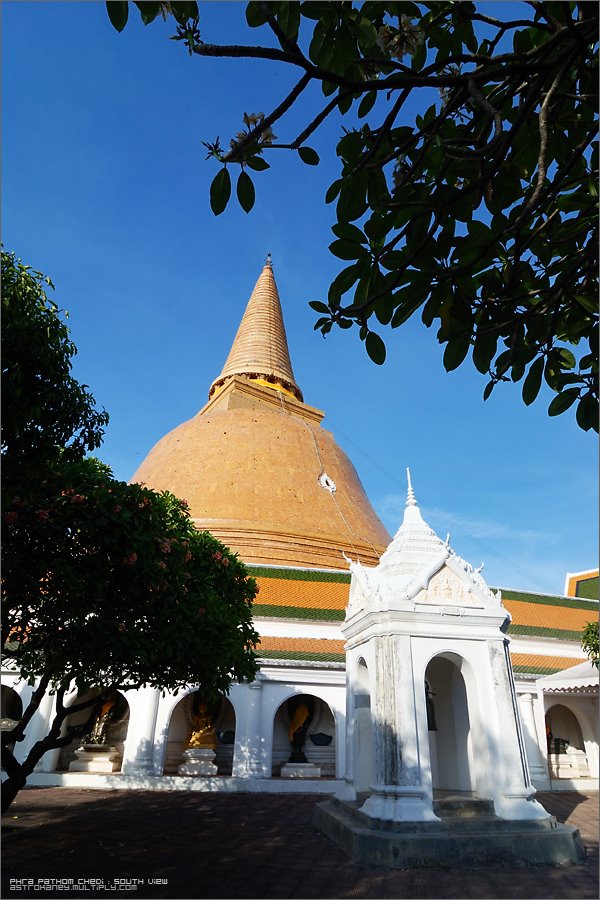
310,594
318,649
563,618
536,664
316,594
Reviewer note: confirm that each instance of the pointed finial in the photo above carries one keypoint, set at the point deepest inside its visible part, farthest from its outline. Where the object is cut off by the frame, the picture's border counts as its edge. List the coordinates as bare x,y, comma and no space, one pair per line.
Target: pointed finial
268,263
410,498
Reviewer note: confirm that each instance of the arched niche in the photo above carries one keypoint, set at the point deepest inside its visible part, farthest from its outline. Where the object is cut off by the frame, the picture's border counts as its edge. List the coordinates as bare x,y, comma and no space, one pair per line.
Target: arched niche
566,748
222,716
109,727
449,725
363,729
319,733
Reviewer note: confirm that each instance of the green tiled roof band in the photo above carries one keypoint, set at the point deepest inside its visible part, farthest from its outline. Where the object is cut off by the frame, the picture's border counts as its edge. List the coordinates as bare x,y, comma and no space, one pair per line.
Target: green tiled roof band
567,602
298,612
588,587
298,575
545,632
301,655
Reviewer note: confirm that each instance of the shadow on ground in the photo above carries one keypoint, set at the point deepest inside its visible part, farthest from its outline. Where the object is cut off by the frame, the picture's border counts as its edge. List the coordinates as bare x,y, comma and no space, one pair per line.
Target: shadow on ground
241,846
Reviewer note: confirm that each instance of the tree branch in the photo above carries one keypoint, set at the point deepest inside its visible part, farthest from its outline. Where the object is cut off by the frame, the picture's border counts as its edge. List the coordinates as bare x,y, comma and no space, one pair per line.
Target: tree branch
256,132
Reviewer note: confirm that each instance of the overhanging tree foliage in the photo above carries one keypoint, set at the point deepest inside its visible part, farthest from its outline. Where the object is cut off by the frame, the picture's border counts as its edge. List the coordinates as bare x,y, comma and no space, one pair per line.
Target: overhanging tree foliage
482,212
589,643
106,585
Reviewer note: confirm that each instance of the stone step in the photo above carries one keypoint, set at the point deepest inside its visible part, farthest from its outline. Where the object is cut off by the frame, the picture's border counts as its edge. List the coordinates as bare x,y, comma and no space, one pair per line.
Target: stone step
443,843
459,807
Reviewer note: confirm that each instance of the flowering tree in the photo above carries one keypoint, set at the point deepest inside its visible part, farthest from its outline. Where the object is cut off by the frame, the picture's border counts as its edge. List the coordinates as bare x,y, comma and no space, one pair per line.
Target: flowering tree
106,585
480,212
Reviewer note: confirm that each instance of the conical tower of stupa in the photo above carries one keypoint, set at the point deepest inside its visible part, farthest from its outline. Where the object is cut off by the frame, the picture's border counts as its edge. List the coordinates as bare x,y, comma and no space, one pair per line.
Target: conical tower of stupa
255,465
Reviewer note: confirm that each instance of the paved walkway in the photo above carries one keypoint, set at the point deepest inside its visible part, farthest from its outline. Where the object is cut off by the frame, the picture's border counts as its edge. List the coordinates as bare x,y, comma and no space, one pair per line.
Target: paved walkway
241,846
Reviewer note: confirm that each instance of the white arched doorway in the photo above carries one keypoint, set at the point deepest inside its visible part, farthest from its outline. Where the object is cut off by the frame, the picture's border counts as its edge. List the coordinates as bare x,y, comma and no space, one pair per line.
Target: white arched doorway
566,748
107,730
222,716
317,722
449,725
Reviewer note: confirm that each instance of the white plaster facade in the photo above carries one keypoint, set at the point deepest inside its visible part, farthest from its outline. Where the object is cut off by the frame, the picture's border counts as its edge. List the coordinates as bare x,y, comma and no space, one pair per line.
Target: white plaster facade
422,616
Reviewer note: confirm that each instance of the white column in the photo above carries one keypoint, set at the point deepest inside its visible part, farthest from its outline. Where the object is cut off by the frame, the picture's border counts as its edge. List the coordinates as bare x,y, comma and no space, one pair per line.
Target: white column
512,790
399,792
248,750
139,744
537,766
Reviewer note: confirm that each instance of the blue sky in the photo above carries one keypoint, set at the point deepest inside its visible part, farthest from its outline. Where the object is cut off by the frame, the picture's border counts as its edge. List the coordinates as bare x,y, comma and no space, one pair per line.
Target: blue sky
105,188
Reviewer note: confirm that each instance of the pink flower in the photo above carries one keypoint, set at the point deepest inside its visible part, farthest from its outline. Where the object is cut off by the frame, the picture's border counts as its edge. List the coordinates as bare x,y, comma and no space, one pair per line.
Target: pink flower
122,627
225,561
165,546
162,565
129,560
77,498
117,508
188,555
217,555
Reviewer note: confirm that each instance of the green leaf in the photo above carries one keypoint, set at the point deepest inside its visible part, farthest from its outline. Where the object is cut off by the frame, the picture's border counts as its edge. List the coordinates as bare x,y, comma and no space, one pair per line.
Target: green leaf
347,250
220,191
255,15
587,412
348,232
533,382
563,401
488,389
567,359
245,191
257,163
455,352
319,306
343,282
375,348
333,190
484,350
406,308
118,11
308,156
148,10
183,10
366,104
288,18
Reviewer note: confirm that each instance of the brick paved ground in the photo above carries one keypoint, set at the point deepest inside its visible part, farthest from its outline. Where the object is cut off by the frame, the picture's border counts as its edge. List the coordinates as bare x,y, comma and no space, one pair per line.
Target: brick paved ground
246,846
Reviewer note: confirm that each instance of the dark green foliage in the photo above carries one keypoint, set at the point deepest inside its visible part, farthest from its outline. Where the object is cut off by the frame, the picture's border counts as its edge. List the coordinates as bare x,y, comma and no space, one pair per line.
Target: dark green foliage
482,212
589,642
46,412
106,585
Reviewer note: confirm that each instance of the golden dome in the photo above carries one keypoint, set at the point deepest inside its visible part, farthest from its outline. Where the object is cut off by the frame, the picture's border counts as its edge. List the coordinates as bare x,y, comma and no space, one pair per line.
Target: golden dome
256,467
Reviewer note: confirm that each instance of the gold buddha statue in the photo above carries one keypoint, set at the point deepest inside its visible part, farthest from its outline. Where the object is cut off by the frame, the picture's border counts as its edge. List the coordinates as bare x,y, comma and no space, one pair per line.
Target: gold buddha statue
202,735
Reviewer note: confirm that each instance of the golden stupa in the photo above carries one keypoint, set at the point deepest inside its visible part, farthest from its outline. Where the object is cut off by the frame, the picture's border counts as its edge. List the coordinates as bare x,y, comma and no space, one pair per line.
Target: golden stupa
255,465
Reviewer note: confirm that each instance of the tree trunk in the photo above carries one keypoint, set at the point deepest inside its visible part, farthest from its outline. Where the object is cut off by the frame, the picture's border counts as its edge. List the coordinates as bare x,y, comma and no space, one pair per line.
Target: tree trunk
10,789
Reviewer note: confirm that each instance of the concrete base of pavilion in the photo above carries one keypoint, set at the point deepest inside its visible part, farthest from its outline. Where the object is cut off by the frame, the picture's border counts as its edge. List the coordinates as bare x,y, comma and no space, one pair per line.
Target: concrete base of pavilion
217,784
466,834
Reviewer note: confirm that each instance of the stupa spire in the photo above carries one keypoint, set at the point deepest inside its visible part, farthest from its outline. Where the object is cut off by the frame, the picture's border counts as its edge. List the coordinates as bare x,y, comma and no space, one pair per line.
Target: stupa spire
260,348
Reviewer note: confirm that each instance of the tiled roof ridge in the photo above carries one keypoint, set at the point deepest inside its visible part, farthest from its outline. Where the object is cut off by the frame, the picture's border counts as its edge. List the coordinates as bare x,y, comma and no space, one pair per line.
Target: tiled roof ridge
538,597
260,347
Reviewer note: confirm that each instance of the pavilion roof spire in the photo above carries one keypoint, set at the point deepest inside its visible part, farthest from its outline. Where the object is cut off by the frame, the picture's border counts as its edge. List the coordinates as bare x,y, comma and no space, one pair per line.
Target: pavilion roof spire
260,348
